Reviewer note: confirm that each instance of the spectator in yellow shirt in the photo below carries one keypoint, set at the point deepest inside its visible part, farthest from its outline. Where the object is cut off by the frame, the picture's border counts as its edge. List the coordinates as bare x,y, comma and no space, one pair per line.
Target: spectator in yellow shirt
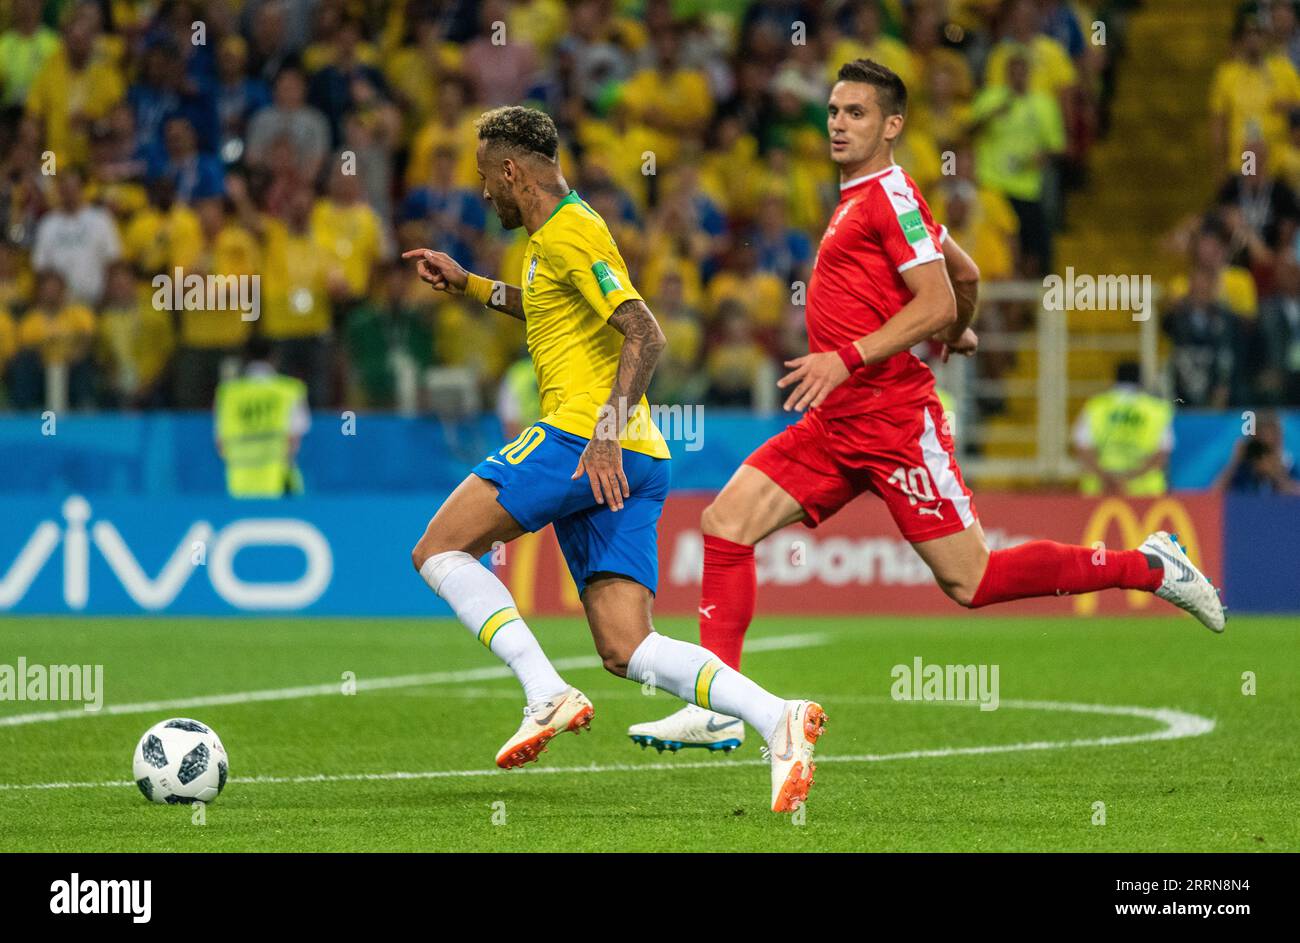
450,125
468,336
15,277
415,72
348,232
135,342
1235,288
1051,70
72,90
986,230
929,55
868,41
944,113
211,338
538,22
761,294
164,234
53,334
300,288
734,362
730,166
1250,97
677,378
669,103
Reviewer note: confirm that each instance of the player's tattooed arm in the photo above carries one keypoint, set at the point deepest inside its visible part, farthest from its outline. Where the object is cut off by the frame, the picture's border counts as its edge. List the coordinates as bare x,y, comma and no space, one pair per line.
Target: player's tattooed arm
643,342
602,459
443,273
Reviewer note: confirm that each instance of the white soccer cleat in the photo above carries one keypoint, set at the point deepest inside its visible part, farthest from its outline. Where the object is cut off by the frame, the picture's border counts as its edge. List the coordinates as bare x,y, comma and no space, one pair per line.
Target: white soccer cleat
691,726
791,751
1183,584
543,721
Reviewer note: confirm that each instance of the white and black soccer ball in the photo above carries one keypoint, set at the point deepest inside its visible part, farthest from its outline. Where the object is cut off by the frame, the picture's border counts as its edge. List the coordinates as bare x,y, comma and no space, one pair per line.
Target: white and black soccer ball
180,761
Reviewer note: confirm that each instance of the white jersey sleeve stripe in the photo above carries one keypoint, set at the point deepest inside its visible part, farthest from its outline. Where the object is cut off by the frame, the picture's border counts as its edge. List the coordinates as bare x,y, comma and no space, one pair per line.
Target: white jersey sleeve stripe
907,210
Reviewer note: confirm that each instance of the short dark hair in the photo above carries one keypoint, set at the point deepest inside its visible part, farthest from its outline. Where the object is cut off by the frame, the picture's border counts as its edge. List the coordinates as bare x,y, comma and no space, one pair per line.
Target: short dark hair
258,347
891,91
1128,371
519,129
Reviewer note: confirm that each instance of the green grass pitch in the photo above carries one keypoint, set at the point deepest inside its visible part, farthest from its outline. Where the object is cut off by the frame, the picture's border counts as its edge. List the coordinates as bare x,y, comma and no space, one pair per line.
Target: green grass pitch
316,771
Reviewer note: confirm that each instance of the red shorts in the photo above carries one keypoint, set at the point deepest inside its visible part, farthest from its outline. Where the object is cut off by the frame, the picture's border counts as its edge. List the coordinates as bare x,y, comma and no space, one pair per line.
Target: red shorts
902,453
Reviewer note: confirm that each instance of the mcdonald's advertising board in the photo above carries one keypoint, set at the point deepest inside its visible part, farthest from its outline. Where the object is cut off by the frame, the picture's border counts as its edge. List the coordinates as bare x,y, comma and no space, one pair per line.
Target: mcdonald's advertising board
857,562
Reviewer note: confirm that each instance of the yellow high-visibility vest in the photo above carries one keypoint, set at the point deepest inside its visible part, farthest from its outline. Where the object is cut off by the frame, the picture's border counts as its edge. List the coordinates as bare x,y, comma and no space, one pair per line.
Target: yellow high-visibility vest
1127,428
254,426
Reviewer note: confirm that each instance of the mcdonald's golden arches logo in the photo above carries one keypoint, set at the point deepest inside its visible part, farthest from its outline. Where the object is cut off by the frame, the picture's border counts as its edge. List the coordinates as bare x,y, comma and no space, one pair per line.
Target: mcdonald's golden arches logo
1164,514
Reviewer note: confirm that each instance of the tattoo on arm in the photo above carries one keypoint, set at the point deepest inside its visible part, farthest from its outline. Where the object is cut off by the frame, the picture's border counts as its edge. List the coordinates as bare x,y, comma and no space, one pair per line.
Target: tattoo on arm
507,299
643,341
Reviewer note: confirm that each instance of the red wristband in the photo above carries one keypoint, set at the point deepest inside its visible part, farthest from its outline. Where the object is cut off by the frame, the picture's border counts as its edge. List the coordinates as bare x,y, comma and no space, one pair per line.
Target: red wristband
851,356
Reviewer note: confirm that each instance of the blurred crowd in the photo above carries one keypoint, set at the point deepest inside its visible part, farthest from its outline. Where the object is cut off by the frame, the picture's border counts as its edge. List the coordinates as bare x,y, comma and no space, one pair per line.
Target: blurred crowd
1233,320
306,141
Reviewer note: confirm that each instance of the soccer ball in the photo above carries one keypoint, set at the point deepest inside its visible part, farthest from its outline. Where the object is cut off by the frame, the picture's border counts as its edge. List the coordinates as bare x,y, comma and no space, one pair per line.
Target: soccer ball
180,761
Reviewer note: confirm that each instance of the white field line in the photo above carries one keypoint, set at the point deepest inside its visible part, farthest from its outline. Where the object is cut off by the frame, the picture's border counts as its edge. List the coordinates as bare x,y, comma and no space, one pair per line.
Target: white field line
1175,725
775,643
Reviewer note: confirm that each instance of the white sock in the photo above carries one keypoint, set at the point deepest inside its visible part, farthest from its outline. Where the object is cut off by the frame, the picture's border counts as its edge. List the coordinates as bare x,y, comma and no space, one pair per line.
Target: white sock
485,607
698,676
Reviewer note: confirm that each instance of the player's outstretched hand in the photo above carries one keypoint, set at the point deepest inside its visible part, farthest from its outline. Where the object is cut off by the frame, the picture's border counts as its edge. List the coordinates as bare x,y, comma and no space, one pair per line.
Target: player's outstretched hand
439,270
966,345
602,460
814,376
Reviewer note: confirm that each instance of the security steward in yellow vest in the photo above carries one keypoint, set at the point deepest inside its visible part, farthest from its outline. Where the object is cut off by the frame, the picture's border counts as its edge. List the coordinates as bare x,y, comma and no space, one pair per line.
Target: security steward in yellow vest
1123,438
261,417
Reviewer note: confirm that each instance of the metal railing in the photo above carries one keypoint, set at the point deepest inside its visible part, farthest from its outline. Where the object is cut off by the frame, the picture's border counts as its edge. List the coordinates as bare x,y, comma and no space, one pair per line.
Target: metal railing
1015,395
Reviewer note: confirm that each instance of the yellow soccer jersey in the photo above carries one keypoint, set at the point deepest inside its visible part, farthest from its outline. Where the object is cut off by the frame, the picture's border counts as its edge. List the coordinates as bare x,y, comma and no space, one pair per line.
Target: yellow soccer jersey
573,279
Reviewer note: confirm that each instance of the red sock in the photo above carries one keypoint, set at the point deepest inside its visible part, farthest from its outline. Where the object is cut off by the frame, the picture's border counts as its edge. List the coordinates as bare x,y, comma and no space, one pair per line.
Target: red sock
726,597
1046,568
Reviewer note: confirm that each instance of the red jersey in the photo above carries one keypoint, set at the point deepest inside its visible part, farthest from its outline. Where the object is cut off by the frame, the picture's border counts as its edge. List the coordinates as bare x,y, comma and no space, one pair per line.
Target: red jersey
881,228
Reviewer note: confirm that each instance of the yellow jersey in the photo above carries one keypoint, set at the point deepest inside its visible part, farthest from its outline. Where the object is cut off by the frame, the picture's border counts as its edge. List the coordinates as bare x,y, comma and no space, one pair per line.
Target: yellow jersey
573,279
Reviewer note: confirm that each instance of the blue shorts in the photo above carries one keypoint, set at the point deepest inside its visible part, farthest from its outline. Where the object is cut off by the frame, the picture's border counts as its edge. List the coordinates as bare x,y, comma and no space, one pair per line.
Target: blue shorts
532,475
